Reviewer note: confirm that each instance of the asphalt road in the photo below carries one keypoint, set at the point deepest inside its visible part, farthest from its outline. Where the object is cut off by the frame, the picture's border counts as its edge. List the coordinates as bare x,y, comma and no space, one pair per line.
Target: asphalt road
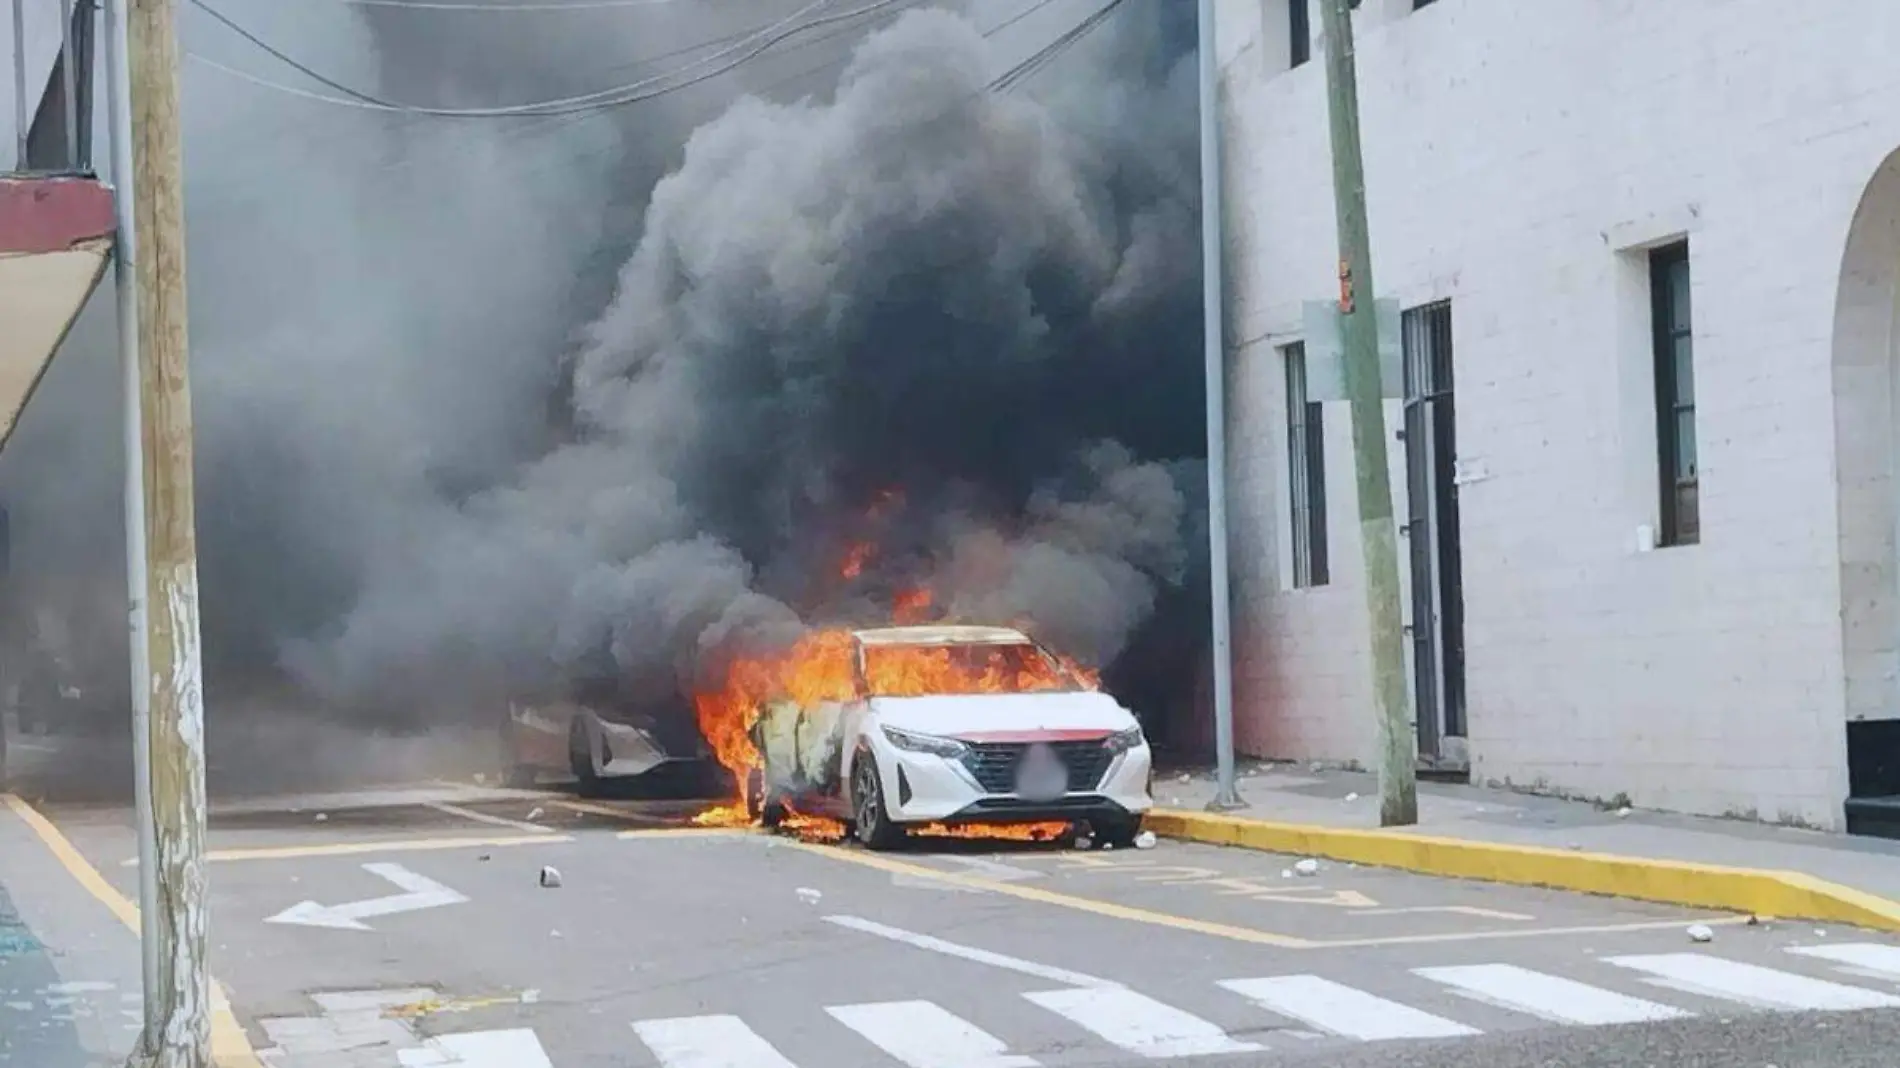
411,929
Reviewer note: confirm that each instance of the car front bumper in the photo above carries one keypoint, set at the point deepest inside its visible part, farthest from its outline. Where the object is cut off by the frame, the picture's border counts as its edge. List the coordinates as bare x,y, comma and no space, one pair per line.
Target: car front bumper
925,788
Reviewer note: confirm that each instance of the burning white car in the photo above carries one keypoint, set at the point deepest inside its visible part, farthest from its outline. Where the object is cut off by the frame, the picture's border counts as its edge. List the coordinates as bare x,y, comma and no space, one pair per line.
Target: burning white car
953,725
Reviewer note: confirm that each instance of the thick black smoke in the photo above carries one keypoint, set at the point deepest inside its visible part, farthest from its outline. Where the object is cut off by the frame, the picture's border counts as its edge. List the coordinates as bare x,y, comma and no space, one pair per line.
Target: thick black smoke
959,325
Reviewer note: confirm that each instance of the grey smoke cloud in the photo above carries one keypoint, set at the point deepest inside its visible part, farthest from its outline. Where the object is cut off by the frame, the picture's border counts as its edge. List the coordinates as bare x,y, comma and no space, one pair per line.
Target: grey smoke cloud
434,474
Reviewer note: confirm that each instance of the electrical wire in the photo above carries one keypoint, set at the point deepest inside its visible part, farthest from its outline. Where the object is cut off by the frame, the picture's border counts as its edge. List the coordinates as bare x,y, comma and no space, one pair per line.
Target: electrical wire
1042,57
634,92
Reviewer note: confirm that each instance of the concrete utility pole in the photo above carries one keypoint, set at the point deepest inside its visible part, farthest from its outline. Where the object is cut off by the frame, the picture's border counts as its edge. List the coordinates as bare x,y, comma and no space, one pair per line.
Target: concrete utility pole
1213,305
1359,338
167,676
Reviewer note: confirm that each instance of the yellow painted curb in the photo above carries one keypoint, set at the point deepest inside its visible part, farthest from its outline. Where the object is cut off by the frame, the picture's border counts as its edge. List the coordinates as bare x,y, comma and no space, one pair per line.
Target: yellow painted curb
1787,894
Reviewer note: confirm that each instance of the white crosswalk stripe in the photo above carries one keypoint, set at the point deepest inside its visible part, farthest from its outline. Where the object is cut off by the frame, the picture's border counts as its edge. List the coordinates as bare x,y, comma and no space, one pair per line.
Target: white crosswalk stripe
709,1042
917,1033
924,1035
1139,1024
1344,1010
1863,958
1752,984
1548,997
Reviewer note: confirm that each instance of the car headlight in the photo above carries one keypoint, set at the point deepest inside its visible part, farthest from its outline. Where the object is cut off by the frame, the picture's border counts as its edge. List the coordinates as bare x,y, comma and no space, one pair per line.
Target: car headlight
925,743
1123,741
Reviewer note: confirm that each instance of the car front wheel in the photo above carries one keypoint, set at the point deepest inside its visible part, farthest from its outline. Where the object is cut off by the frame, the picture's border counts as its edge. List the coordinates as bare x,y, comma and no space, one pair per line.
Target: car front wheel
873,825
1116,832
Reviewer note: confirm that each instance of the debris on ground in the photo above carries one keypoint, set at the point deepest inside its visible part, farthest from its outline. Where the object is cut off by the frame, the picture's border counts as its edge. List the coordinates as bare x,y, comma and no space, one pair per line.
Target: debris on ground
1145,840
550,877
1820,932
1185,777
1352,797
323,817
530,996
486,856
1286,873
1623,813
1701,932
808,895
1084,842
1309,866
534,813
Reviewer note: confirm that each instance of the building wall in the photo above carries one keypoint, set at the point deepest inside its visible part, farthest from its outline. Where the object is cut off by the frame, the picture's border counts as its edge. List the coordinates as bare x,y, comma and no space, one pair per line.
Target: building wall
1520,159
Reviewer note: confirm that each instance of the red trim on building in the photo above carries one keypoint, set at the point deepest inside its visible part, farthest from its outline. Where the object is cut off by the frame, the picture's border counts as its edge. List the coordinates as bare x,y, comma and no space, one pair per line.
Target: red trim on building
52,214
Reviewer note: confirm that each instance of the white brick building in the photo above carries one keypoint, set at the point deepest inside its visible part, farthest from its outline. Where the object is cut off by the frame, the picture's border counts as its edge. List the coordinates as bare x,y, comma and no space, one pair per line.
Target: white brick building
1534,163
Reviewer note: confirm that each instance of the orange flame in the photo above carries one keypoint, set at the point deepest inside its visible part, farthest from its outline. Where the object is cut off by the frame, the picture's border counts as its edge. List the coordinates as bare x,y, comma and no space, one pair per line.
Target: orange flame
913,605
856,558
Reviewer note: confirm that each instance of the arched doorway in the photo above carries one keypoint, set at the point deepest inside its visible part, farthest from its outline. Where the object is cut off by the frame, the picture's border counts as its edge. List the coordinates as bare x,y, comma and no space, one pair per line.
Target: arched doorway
1866,360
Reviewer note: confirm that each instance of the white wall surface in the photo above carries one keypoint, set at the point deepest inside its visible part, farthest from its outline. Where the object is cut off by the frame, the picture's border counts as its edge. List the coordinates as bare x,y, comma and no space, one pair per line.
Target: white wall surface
1519,156
41,21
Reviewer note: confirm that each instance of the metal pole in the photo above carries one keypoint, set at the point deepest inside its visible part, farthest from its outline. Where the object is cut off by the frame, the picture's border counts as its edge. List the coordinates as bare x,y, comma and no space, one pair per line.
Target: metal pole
125,289
1226,795
178,1011
68,82
1359,329
19,82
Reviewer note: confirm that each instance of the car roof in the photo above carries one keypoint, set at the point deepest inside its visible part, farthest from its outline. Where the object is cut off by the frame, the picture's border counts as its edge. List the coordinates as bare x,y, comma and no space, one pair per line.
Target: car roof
944,634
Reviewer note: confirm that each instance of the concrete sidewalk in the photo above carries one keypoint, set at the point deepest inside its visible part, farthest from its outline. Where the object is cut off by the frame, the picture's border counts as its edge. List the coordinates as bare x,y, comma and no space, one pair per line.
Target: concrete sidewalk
1303,794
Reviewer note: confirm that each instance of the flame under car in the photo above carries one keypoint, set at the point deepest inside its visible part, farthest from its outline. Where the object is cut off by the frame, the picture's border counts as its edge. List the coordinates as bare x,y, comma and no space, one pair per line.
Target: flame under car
948,725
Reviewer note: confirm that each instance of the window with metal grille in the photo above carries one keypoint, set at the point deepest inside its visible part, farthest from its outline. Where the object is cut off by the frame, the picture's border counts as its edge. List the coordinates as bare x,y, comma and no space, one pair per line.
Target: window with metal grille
1306,472
1299,31
1675,395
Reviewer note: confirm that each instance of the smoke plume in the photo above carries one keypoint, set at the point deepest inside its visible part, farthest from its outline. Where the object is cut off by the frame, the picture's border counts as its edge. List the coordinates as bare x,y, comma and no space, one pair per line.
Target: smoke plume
494,411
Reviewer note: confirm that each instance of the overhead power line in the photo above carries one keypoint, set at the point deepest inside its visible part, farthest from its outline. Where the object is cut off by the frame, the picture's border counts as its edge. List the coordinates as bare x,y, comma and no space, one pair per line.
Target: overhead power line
741,51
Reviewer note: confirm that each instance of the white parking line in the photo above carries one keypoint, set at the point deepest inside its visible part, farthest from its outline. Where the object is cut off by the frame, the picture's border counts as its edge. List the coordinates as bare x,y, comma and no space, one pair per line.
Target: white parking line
925,1035
1752,984
518,1048
1343,1010
1140,1025
709,1042
969,953
1862,958
1548,997
482,817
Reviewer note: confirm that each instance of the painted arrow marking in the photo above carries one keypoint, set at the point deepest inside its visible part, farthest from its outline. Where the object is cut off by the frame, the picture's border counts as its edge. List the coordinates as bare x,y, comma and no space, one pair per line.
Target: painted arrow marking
418,893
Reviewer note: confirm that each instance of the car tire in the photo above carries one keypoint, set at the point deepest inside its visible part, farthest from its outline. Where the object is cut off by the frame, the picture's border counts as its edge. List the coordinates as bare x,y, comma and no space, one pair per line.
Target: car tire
871,824
580,759
1116,832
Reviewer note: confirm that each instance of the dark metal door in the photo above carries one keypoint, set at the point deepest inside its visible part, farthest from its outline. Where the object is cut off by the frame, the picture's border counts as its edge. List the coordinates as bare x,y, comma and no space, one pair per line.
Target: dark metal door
1431,530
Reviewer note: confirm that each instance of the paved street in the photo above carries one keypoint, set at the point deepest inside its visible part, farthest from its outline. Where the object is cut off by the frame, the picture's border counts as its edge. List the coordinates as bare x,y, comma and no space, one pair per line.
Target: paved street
409,928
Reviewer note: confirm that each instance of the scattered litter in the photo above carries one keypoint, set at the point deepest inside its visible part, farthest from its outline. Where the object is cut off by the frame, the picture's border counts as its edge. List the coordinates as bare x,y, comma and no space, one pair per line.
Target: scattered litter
1701,933
1820,932
1759,921
534,814
486,856
1309,866
530,996
808,895
481,779
1352,797
1107,846
1623,813
550,877
1286,873
323,817
1145,840
1185,777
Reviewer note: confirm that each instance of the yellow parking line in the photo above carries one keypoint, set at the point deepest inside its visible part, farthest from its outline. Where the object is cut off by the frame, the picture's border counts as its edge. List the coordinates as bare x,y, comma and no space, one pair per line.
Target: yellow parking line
689,832
1061,900
230,1047
389,845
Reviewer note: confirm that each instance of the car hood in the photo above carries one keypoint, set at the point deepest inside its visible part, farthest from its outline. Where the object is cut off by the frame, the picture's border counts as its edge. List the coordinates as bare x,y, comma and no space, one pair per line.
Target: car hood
1004,716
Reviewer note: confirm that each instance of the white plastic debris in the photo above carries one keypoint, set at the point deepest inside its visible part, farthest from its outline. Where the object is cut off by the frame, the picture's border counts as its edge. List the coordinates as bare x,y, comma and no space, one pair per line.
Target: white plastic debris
550,877
1286,873
1623,813
1185,777
530,996
1820,932
323,817
1701,932
1309,866
534,814
1352,797
1145,840
808,895
481,779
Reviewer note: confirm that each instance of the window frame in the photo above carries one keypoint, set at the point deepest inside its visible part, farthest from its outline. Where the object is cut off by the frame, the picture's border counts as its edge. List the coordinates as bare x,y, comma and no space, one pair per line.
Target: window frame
1675,397
1306,474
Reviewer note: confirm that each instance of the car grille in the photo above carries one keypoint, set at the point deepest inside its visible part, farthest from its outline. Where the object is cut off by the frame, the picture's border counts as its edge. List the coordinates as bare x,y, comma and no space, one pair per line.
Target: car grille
993,764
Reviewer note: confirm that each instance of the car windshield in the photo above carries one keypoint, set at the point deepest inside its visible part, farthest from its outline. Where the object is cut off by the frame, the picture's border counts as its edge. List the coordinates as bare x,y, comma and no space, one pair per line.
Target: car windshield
963,668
